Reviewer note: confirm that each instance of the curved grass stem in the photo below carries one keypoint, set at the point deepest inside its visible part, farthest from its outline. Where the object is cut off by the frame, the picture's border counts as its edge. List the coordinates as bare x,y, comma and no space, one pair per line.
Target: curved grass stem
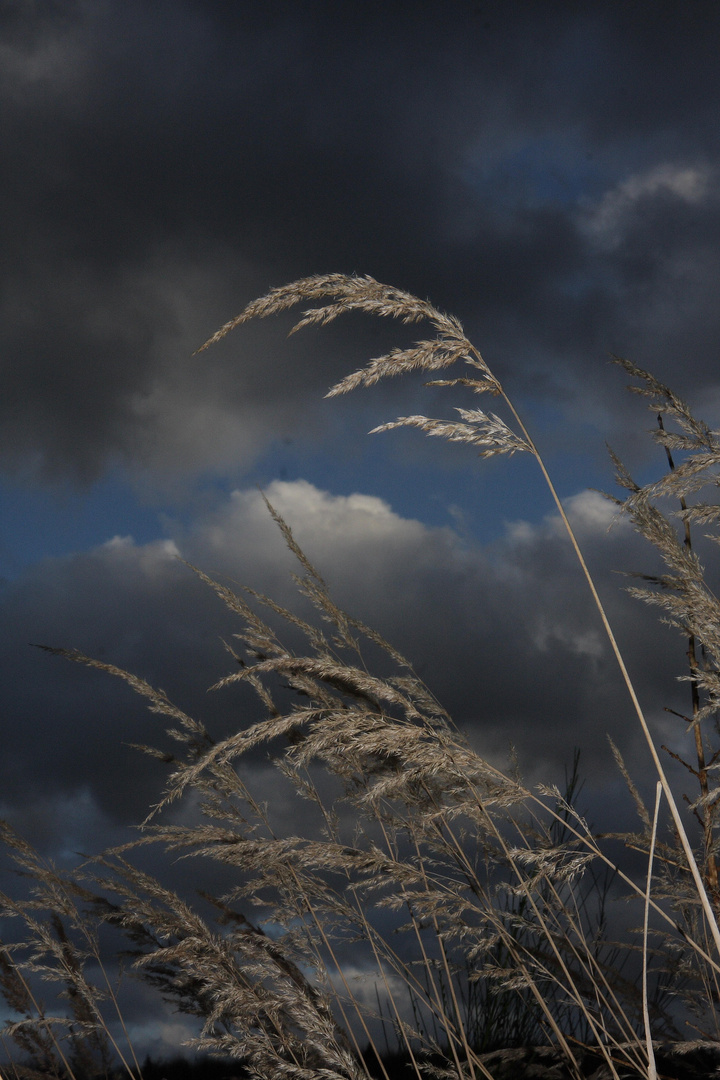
667,790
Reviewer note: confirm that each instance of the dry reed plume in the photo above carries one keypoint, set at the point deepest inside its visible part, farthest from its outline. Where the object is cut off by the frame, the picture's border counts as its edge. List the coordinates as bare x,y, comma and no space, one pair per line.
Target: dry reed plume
472,905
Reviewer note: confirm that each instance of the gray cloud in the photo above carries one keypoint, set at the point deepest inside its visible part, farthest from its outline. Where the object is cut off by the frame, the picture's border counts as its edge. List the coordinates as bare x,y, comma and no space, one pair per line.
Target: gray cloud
505,636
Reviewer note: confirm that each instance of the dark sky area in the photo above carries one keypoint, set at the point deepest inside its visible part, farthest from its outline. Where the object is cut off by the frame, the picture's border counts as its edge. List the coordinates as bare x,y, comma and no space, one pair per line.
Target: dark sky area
548,172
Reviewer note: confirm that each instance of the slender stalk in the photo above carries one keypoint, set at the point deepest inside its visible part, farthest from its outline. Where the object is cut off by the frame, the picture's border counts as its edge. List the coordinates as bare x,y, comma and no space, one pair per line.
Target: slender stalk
667,790
652,1069
711,869
42,1020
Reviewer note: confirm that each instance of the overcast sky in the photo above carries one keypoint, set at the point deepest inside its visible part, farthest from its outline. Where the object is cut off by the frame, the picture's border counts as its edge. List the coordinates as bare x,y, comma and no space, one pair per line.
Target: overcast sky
548,172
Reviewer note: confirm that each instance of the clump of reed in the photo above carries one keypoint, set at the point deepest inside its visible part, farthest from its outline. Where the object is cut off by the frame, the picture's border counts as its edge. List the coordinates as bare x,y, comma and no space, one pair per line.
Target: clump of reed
441,912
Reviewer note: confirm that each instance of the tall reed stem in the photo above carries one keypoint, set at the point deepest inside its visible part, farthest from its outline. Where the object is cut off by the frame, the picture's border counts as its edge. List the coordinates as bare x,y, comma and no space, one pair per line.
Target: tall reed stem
667,790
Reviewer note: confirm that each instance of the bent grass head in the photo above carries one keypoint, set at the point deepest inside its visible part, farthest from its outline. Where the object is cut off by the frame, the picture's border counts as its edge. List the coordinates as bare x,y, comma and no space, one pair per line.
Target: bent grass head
488,432
471,906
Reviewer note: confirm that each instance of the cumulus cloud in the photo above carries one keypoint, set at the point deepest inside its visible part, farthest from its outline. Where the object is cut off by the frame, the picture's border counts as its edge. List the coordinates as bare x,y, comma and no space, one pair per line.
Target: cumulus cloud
505,636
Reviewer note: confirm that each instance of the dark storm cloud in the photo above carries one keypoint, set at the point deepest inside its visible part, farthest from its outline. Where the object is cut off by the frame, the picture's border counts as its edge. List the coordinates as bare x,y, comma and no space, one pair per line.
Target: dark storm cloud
163,164
505,636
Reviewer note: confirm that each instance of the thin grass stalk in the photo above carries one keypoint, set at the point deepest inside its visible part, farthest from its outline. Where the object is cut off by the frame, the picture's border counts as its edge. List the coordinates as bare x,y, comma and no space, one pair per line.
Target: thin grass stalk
652,1069
569,985
569,981
123,1025
56,891
507,939
596,977
605,997
304,906
460,853
430,998
667,791
338,968
410,979
45,1023
439,1011
451,984
390,997
601,987
95,953
710,861
371,937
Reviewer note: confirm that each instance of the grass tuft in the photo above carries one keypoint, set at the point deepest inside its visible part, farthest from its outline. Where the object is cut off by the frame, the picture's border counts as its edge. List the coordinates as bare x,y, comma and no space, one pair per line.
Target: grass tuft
442,916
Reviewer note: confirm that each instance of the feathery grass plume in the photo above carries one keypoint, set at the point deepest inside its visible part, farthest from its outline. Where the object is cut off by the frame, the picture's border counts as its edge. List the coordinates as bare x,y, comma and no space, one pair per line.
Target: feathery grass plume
436,875
493,435
432,894
683,592
59,945
661,512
